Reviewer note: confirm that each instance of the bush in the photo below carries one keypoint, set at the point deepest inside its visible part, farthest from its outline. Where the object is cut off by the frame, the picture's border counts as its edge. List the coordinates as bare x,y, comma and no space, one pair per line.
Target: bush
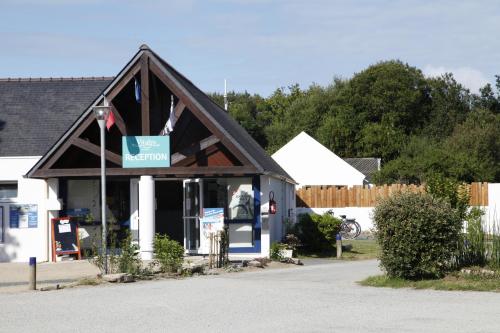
450,190
168,253
275,251
418,235
318,232
129,261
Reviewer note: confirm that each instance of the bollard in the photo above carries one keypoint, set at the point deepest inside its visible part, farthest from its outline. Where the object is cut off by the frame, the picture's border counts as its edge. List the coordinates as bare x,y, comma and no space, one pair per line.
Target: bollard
32,277
339,246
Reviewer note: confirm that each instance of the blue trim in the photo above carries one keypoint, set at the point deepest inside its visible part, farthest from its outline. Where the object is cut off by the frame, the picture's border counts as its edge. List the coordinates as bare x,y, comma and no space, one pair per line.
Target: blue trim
256,221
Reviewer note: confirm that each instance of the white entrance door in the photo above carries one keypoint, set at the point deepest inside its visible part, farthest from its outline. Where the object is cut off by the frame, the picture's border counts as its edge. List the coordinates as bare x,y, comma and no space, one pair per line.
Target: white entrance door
193,203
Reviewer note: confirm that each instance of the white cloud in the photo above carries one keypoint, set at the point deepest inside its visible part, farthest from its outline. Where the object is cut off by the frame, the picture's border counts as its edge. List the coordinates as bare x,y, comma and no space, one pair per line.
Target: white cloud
469,77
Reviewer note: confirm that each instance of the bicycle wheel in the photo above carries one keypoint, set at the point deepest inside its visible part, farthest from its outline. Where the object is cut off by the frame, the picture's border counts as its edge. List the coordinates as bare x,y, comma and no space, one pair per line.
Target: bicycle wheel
358,229
348,230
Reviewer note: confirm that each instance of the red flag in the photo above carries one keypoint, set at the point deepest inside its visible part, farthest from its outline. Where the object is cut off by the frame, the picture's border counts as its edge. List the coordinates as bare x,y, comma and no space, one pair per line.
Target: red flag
111,120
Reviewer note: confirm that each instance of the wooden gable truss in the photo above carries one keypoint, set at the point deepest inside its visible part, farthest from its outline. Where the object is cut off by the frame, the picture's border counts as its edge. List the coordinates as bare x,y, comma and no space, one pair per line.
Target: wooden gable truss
199,145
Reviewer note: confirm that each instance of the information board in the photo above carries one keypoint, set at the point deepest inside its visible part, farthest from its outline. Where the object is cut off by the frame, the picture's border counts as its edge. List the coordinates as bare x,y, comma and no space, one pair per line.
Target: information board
212,221
23,216
146,151
65,238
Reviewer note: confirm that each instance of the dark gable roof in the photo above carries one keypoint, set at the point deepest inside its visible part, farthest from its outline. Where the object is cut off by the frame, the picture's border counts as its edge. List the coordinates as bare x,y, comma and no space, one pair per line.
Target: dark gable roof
34,113
366,165
231,126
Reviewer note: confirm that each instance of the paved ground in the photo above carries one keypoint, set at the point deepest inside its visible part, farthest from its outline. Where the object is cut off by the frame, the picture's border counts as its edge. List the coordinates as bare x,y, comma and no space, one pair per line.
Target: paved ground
315,298
14,276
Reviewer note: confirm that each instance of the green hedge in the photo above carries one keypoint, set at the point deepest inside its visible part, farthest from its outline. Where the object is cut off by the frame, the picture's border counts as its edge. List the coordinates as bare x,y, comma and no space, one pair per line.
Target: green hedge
317,232
418,235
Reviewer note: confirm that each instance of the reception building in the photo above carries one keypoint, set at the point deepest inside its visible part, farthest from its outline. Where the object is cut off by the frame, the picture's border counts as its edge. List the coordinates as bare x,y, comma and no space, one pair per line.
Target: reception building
160,178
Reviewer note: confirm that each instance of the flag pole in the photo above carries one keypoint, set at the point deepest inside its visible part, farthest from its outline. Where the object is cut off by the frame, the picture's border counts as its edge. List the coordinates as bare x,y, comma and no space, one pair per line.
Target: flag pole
225,95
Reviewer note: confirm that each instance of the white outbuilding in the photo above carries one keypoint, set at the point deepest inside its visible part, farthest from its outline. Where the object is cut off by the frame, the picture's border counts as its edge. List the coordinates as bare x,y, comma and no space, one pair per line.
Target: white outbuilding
308,162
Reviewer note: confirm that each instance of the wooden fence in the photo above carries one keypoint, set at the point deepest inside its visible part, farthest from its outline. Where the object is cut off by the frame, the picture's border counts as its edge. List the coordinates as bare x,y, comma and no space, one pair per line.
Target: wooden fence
359,196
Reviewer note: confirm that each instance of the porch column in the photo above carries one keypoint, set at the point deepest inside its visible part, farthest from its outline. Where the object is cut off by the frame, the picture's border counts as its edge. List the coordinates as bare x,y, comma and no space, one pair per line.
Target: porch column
146,216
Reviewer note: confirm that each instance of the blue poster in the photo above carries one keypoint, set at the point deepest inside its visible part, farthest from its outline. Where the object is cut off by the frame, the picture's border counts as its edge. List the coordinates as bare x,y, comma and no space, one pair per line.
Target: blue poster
146,151
23,216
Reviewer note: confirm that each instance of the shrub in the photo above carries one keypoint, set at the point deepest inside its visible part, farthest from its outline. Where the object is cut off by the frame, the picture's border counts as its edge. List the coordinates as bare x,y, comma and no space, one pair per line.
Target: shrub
129,261
418,235
450,190
317,232
168,253
275,251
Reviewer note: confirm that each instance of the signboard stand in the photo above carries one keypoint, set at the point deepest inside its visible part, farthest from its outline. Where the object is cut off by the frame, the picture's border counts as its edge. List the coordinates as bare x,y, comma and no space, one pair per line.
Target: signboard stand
211,222
65,240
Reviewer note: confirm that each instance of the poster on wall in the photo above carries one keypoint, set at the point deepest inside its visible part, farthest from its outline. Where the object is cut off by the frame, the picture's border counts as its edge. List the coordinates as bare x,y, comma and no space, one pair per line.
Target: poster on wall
23,216
240,195
212,221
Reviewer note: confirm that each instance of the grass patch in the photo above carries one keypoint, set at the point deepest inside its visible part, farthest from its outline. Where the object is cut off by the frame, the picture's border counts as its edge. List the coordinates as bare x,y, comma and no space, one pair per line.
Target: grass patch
454,281
360,250
88,282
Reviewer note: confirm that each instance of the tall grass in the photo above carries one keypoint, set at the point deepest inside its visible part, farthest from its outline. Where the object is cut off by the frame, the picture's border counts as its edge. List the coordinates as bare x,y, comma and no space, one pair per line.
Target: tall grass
472,245
494,240
480,242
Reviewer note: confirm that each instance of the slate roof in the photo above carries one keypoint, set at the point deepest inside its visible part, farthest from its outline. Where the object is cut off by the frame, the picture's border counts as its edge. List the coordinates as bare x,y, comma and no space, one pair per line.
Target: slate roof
366,165
231,126
34,113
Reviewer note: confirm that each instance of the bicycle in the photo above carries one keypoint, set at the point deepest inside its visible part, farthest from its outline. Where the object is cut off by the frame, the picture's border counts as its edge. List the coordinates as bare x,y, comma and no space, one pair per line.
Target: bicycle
349,228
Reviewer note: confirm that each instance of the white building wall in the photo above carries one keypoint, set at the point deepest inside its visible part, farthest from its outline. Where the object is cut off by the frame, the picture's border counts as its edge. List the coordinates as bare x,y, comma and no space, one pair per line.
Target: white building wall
492,212
363,215
273,225
21,243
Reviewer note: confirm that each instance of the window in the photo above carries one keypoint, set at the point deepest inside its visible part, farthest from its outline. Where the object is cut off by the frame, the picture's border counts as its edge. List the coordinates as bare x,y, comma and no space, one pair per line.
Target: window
8,190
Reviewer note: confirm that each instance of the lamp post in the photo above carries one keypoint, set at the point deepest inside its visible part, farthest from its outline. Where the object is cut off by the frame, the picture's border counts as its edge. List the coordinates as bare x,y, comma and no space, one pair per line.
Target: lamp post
101,114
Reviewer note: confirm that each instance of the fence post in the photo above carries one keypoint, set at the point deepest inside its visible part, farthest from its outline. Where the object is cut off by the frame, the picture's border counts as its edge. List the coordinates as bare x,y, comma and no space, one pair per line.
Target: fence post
339,246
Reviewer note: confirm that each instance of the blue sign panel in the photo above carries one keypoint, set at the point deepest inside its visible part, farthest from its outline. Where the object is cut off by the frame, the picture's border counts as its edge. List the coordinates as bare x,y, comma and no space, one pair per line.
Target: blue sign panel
146,151
23,216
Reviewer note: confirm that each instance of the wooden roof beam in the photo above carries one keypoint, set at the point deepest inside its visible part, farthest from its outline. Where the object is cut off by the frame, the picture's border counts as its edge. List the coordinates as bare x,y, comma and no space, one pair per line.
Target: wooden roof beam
119,122
192,150
123,82
96,150
145,122
154,65
171,172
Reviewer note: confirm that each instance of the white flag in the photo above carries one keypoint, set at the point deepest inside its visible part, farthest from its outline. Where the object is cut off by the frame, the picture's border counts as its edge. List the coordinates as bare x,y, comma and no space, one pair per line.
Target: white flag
169,126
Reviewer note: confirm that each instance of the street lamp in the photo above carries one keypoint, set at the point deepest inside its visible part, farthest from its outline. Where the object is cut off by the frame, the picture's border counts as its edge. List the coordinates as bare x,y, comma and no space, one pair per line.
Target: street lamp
101,114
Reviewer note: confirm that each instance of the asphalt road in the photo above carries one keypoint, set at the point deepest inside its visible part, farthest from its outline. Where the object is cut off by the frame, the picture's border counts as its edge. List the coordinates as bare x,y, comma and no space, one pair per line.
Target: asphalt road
314,298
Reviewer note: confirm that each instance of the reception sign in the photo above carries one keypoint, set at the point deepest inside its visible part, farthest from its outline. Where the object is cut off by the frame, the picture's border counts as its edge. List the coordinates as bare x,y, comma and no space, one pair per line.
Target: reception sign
146,151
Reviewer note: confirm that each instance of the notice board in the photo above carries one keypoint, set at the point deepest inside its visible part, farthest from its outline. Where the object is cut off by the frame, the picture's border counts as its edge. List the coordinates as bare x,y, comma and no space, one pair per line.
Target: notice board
65,238
23,216
211,222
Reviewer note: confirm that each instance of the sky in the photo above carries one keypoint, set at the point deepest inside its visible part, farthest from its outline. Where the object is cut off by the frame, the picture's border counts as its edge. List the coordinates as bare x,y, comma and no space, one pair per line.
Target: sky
257,45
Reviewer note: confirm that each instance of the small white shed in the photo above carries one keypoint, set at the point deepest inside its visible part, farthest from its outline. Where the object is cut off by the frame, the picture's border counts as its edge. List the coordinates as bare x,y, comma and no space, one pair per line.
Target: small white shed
308,162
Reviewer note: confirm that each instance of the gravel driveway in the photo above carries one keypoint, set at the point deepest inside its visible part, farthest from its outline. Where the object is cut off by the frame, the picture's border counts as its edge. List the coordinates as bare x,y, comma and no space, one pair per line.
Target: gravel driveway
311,298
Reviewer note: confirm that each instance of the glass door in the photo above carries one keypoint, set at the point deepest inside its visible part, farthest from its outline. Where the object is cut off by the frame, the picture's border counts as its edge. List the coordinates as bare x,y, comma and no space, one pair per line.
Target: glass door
193,196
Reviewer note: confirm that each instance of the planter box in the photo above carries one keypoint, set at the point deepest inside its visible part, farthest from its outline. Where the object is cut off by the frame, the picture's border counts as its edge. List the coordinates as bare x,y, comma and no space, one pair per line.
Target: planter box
286,253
